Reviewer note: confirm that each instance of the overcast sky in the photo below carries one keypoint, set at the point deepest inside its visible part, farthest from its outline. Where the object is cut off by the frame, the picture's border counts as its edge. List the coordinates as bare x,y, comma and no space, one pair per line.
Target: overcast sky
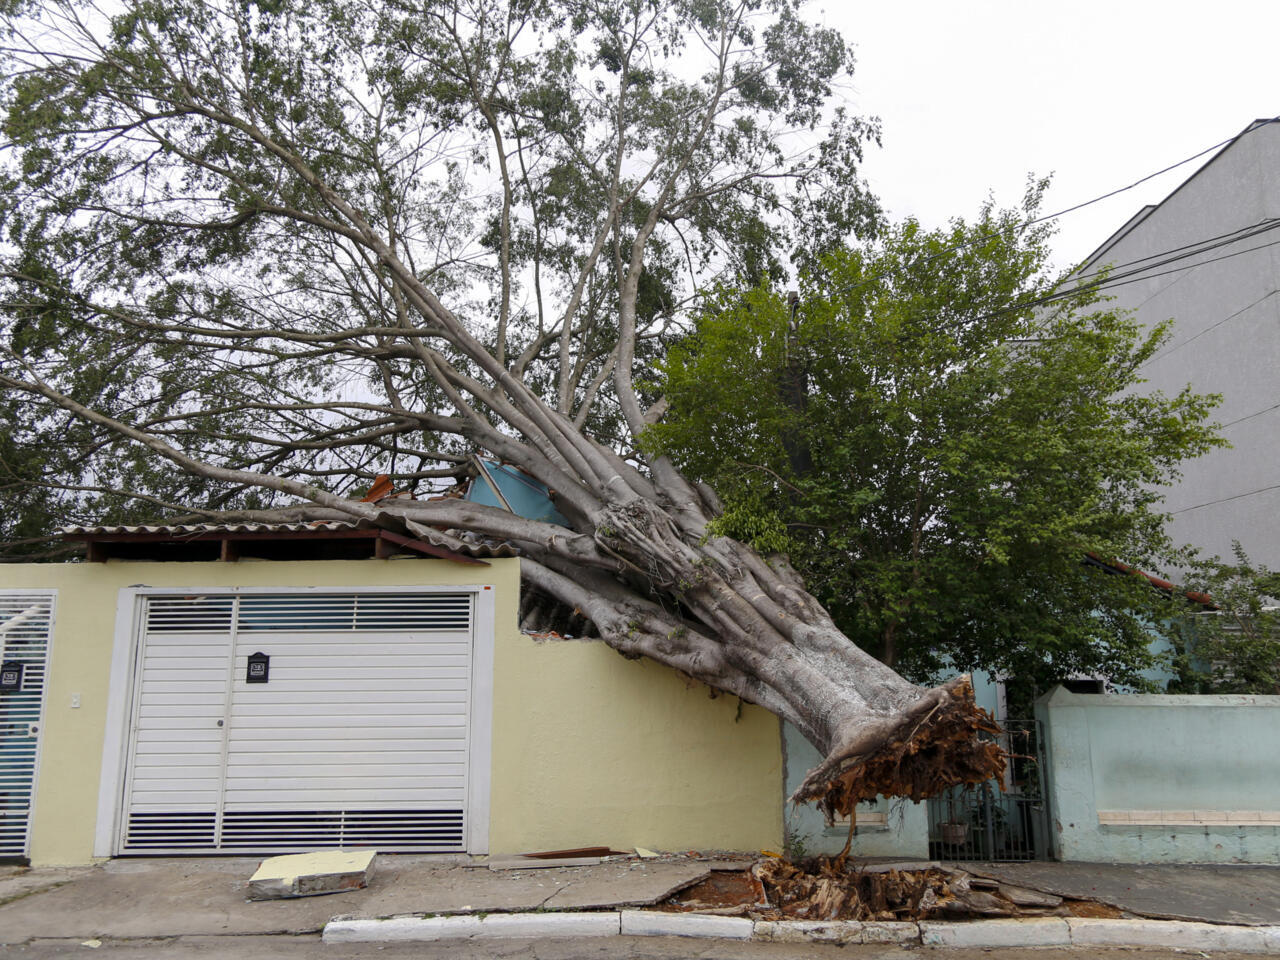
976,94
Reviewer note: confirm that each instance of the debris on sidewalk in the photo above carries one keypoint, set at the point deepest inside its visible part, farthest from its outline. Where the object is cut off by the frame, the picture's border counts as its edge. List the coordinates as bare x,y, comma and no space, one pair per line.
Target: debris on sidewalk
829,889
529,862
835,889
544,859
311,874
576,853
646,854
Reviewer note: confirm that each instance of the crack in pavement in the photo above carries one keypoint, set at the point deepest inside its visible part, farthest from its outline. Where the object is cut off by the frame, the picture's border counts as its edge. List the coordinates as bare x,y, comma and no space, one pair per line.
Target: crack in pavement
554,893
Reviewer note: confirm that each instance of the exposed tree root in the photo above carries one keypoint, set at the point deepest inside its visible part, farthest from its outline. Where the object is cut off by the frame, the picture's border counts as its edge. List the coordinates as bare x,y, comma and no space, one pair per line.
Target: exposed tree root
934,745
824,889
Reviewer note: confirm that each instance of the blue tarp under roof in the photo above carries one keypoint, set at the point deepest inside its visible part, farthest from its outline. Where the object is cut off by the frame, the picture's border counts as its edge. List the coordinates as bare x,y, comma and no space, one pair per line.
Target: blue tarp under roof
504,486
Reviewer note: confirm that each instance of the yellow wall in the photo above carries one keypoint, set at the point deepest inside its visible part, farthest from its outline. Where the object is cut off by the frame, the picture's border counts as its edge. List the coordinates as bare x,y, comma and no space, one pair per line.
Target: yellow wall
588,748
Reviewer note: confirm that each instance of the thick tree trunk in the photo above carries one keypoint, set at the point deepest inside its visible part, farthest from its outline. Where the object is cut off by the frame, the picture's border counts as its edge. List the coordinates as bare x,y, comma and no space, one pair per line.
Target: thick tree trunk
655,584
313,258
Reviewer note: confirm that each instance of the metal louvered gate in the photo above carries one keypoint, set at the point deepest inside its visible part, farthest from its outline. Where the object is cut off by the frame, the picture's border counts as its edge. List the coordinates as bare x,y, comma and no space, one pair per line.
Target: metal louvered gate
271,722
26,626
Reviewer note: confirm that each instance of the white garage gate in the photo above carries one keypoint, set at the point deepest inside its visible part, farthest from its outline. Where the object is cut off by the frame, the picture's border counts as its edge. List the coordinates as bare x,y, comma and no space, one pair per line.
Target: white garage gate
276,721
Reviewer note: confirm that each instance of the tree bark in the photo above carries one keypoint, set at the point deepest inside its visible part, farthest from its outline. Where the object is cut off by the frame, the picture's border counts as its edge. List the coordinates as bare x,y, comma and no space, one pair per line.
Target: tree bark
221,331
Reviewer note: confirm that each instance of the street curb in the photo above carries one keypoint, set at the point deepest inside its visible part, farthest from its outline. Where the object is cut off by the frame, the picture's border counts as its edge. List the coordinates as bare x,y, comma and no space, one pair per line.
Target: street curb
471,926
658,923
1174,933
1024,932
1029,932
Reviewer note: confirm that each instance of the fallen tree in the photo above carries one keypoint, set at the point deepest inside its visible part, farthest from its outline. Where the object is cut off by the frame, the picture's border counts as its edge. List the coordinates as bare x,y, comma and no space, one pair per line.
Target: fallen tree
284,247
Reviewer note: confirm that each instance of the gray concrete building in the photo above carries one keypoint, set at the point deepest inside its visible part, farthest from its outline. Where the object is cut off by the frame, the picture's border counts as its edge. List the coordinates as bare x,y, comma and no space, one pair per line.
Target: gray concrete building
1208,256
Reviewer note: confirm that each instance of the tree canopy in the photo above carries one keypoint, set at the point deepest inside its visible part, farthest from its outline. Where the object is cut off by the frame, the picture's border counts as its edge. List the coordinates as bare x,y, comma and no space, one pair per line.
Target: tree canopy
281,247
206,206
1231,644
965,453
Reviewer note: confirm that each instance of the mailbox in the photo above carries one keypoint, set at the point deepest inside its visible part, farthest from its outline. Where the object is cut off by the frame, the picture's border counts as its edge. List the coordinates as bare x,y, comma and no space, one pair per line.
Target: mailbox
259,668
11,675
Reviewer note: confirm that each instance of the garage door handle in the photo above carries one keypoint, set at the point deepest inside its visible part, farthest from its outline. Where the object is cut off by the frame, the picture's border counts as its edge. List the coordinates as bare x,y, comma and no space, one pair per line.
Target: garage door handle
219,723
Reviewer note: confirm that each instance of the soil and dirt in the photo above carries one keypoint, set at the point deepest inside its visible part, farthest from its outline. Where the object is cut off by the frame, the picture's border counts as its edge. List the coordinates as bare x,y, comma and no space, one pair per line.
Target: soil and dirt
839,888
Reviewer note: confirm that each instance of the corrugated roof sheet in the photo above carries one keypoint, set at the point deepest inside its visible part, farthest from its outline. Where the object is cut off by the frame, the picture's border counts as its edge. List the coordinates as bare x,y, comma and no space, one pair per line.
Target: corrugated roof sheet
459,541
177,530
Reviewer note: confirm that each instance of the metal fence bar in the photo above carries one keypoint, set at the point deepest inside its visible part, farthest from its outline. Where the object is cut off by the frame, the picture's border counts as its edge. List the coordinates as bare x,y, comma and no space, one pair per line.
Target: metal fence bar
996,820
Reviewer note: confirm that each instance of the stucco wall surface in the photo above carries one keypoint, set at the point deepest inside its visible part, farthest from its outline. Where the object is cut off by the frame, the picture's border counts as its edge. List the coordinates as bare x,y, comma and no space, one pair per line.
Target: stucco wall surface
1163,778
587,747
590,748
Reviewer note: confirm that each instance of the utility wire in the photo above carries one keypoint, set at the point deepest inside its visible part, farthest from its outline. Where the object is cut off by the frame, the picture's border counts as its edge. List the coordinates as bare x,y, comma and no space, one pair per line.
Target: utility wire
1251,416
1152,176
1079,206
1240,233
1138,274
1209,329
1238,496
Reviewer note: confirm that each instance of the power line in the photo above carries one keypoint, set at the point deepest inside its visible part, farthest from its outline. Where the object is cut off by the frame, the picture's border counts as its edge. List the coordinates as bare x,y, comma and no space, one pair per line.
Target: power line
1209,329
1238,496
1079,206
1108,281
1195,246
1152,176
1251,416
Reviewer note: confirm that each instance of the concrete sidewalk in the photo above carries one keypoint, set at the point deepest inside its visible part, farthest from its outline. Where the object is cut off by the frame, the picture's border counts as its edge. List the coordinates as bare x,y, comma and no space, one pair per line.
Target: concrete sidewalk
200,897
1213,893
206,896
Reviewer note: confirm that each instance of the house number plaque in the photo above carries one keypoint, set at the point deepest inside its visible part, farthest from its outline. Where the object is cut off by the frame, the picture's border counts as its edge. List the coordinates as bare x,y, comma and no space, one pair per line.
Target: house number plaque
11,675
259,668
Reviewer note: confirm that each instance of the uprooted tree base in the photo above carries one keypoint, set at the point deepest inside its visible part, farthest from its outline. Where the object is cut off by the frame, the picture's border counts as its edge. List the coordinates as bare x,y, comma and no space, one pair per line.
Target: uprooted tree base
829,888
938,745
824,889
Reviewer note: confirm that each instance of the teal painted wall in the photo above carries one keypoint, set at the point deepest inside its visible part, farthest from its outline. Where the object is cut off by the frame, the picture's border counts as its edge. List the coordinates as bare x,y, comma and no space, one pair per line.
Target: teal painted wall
907,833
1177,757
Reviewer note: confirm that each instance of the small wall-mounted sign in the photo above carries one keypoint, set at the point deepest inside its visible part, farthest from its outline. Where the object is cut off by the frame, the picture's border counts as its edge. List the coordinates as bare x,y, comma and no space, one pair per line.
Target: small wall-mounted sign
11,675
259,668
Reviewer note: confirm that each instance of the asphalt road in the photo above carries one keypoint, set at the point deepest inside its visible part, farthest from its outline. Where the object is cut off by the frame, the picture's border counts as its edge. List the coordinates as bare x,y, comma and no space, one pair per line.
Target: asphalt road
639,948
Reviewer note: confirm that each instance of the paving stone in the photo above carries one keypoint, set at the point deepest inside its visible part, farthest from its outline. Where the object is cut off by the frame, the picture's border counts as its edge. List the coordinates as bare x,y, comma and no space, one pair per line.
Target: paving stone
311,874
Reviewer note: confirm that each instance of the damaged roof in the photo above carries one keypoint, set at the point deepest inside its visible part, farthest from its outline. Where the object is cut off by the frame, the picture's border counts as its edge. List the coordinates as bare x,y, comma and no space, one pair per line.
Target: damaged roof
315,539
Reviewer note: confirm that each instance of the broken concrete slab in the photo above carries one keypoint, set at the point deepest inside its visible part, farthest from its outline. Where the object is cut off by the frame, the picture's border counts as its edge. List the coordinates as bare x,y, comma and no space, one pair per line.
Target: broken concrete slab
1026,897
311,874
633,884
1216,893
902,866
157,896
